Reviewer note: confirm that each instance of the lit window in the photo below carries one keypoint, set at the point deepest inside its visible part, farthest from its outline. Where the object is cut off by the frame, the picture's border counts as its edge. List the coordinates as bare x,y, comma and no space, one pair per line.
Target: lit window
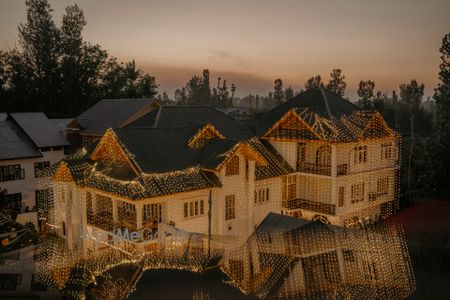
360,154
230,203
358,192
289,191
232,166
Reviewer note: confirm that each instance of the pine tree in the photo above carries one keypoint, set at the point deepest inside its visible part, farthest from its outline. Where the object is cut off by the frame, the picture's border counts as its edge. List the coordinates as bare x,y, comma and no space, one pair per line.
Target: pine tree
337,84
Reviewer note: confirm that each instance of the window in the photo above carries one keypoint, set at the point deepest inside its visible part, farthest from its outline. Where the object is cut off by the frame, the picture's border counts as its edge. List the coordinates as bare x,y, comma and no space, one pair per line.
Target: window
262,195
323,156
301,152
14,201
152,212
9,282
39,167
360,154
387,151
193,208
230,202
358,192
341,195
232,166
383,186
11,172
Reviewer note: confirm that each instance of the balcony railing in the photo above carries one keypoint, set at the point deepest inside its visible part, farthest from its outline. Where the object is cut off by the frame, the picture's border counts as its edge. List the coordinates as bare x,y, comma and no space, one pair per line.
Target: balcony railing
314,168
324,208
375,195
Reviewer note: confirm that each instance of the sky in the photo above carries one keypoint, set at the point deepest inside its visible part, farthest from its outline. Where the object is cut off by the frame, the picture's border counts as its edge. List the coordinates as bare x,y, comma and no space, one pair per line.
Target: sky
253,42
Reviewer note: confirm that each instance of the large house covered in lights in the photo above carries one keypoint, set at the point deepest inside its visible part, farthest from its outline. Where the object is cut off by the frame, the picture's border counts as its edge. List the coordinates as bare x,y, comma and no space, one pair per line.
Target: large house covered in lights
316,156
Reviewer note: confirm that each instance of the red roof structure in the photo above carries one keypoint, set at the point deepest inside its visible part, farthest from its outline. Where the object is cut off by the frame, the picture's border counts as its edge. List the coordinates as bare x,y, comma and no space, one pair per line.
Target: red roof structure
430,217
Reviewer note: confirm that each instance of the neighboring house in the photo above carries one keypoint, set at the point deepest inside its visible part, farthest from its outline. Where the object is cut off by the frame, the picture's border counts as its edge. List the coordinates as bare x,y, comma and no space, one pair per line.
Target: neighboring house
316,157
29,143
287,257
107,113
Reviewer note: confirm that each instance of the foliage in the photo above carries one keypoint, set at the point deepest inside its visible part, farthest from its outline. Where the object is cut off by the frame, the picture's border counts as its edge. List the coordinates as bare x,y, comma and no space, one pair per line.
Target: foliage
314,82
198,92
55,71
337,84
278,93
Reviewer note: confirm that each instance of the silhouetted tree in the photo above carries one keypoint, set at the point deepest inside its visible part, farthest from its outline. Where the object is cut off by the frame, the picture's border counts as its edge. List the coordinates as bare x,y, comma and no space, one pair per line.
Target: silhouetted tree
336,84
278,93
365,93
313,82
289,93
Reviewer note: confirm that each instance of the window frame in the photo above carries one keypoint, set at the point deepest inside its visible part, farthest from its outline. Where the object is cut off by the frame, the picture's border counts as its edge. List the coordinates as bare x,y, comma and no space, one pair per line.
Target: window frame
230,207
39,167
193,208
11,172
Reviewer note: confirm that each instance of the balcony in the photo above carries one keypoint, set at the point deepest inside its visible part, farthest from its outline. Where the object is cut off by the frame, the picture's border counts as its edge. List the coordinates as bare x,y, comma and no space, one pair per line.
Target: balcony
319,207
375,195
314,168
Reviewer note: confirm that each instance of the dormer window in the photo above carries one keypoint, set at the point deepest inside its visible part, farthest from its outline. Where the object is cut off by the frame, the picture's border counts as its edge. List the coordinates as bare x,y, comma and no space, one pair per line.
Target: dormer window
232,166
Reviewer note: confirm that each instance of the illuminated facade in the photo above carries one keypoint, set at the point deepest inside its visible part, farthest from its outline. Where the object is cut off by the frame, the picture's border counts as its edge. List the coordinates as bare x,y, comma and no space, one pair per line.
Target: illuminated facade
317,157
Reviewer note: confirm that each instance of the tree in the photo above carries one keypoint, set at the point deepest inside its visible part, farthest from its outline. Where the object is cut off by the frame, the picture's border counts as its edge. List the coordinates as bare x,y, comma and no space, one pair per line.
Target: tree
442,96
411,94
314,82
289,93
365,94
337,84
278,93
55,71
39,41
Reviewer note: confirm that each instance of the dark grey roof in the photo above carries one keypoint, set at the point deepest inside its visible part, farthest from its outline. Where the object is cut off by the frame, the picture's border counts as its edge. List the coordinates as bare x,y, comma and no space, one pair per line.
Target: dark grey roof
39,129
157,150
318,100
14,143
110,113
61,124
211,155
181,117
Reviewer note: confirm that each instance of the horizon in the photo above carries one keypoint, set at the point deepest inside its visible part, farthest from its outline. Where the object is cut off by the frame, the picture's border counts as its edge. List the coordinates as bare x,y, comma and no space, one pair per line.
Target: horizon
388,43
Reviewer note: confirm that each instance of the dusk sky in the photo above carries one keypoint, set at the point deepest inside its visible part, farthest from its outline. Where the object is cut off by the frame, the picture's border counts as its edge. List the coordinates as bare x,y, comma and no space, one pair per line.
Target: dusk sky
252,42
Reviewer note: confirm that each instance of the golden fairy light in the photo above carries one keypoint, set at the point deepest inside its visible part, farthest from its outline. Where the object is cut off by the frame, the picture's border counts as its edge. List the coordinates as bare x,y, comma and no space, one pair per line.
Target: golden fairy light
182,197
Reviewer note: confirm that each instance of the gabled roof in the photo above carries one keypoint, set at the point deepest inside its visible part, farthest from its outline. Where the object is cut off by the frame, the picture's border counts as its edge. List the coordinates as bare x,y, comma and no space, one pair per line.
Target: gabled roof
318,100
14,143
181,117
39,129
112,113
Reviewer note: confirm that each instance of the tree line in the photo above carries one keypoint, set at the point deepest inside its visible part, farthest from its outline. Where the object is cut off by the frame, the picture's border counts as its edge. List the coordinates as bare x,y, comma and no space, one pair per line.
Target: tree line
52,69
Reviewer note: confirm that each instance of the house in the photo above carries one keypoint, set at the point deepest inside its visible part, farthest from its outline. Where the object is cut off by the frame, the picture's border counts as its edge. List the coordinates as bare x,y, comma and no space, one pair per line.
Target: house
29,143
316,157
287,257
107,113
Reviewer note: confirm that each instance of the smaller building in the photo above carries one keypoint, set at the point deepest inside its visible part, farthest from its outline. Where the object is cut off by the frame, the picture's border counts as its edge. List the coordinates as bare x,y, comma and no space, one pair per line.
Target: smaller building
107,113
29,143
287,257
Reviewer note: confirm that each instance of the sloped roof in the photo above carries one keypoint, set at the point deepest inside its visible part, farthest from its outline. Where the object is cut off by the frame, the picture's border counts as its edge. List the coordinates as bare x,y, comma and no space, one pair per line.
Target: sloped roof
14,143
157,150
39,129
180,117
110,113
318,100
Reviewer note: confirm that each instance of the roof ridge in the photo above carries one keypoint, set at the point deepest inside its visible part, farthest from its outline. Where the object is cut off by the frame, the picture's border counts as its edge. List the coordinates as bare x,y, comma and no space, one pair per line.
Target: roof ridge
325,99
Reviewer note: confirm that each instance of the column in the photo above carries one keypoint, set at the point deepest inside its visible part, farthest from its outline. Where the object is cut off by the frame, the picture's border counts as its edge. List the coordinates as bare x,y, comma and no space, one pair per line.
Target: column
138,215
114,210
83,233
251,195
334,188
